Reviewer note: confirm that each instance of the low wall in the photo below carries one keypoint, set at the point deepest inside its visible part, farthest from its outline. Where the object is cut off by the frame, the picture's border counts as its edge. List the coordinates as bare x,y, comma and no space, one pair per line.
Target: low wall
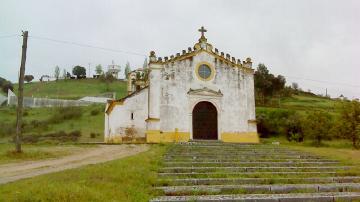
46,102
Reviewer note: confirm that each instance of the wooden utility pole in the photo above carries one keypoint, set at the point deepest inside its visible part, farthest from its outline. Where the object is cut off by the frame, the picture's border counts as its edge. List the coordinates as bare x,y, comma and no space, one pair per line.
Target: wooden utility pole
19,111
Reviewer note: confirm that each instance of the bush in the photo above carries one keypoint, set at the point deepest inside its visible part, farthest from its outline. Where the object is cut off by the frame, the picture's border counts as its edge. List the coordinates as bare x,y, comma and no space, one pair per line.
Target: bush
273,122
94,135
7,130
317,126
65,113
59,136
94,112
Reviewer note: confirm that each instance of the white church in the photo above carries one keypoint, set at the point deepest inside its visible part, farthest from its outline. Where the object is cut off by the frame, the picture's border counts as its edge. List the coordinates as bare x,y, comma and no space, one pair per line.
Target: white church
198,94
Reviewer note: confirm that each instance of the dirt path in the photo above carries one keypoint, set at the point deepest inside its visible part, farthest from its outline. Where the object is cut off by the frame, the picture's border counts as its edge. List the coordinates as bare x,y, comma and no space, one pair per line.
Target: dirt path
16,171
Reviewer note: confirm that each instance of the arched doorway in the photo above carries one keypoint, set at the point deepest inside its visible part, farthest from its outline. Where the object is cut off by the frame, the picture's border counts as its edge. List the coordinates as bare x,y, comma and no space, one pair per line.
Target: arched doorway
204,121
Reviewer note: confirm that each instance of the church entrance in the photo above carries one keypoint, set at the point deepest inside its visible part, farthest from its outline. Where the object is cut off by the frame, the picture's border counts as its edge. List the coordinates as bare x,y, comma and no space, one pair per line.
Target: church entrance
204,121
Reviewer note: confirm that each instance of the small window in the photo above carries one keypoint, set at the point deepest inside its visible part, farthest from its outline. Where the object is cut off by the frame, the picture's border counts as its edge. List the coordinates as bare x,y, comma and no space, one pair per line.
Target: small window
132,116
204,71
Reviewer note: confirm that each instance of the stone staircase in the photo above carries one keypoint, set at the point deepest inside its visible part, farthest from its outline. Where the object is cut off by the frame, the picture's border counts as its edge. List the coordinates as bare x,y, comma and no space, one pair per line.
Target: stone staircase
216,171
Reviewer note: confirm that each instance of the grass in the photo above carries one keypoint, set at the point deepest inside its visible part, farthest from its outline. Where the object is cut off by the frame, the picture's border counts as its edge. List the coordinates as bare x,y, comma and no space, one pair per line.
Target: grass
334,149
73,88
8,117
303,103
36,152
128,179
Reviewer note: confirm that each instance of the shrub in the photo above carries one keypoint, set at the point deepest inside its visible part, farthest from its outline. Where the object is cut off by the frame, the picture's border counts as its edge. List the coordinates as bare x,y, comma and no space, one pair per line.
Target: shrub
317,126
94,112
7,129
65,113
59,136
94,135
273,122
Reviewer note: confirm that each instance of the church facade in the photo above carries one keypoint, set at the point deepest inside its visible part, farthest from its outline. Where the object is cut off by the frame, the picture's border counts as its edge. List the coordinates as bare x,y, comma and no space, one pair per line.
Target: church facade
200,93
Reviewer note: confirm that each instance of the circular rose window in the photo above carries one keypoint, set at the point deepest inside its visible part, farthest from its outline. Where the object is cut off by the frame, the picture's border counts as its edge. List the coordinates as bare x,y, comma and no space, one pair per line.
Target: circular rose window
204,71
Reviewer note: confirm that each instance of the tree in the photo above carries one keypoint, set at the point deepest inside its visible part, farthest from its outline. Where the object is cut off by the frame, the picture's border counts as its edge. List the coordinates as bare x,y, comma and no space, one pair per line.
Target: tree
295,86
98,69
266,84
79,72
6,86
127,70
57,72
317,126
64,75
28,78
348,125
107,78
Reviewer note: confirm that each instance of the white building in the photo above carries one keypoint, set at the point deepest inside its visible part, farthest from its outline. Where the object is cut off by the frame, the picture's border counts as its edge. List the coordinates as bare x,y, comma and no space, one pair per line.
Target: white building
114,70
196,94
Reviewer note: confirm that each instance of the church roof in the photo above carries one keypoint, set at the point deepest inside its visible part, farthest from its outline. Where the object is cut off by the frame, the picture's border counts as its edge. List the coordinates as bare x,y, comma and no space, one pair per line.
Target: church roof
203,46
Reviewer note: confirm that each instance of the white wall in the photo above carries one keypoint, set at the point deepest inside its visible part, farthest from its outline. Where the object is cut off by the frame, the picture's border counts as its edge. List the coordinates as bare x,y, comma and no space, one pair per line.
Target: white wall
120,117
236,105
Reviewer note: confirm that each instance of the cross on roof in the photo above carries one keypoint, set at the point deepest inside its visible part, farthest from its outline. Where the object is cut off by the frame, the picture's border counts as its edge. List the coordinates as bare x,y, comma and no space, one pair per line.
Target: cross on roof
202,30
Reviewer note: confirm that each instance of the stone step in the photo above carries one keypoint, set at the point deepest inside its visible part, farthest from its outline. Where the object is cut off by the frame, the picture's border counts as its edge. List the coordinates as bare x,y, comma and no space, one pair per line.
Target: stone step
250,169
238,164
205,148
251,189
237,181
237,152
242,156
293,197
212,160
255,174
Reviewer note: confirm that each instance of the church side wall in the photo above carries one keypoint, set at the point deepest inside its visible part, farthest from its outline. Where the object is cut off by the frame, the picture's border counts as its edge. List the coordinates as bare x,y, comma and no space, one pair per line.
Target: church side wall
120,118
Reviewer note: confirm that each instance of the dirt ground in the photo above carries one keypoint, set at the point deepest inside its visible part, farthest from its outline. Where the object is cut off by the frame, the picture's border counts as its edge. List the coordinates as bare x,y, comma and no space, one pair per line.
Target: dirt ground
16,171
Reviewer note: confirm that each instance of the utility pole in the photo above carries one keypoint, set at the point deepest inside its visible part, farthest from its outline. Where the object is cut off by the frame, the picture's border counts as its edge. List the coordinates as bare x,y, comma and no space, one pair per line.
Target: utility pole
19,111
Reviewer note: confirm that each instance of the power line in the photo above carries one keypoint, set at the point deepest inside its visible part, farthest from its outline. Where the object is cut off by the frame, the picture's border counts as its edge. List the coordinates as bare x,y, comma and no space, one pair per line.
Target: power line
9,36
322,81
87,46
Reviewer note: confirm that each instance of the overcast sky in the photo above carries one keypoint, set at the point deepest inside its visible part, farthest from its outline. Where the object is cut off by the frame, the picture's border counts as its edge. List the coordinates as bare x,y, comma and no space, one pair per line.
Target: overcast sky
314,43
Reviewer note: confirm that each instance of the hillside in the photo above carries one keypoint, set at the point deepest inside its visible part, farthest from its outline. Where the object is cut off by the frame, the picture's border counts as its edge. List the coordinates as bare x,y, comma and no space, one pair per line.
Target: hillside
43,118
73,89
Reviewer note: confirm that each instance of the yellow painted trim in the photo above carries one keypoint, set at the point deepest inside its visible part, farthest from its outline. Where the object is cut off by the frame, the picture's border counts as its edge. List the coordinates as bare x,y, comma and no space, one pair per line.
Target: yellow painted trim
212,68
152,120
252,121
157,136
112,105
116,139
242,137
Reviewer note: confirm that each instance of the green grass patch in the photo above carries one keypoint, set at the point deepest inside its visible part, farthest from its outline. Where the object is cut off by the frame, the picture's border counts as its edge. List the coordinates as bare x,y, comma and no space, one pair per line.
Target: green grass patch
128,179
36,152
43,121
72,88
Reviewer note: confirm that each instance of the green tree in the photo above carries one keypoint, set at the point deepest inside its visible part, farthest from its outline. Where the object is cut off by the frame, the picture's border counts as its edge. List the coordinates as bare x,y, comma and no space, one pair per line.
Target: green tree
5,85
57,72
98,69
107,78
127,70
28,78
348,125
64,75
79,71
317,126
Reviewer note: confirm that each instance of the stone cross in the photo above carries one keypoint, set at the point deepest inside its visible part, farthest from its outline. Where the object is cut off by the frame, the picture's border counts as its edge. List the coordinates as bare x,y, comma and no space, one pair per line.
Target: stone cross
202,30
